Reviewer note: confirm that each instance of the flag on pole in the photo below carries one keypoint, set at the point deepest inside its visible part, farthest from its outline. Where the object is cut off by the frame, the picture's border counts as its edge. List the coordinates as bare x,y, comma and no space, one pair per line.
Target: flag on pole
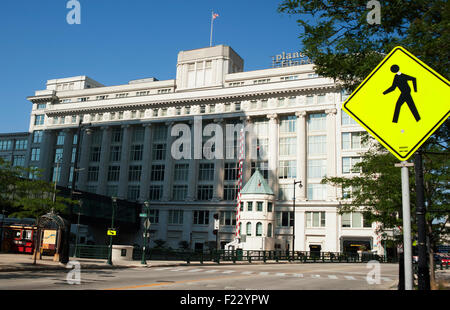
213,17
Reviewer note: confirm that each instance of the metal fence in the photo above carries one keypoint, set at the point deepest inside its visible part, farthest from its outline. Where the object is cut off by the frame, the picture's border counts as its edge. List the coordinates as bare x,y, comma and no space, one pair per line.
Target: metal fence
252,256
89,251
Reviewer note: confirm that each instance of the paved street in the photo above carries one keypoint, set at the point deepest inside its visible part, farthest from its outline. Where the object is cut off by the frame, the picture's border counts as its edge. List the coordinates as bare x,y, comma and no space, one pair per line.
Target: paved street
210,277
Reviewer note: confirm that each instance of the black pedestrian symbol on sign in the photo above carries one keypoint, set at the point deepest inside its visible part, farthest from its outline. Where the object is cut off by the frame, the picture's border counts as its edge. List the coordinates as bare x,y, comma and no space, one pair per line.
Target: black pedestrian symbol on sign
401,81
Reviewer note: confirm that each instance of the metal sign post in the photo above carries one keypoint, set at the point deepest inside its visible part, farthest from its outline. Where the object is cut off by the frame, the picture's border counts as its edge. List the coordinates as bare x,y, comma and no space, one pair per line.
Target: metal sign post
407,246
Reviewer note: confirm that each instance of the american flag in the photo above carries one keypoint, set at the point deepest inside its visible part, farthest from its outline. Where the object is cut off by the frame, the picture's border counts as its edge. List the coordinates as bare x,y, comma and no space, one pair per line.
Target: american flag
215,15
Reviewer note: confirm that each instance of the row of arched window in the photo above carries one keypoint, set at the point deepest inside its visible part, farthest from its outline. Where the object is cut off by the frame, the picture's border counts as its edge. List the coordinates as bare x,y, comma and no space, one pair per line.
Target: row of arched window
259,229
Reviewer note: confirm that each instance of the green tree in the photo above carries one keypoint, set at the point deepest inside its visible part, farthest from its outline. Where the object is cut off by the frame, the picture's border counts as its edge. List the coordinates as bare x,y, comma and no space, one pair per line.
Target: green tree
28,198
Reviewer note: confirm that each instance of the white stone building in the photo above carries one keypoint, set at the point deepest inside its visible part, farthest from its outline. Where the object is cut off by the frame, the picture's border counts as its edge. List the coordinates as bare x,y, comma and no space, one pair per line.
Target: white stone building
299,132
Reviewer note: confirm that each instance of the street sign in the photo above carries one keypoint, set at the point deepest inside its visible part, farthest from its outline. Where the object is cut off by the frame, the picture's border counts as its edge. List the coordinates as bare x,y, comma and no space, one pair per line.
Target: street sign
147,224
401,103
112,232
216,224
143,214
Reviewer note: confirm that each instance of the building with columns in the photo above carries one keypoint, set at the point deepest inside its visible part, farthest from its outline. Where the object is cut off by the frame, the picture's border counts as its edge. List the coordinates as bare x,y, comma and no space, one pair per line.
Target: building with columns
297,132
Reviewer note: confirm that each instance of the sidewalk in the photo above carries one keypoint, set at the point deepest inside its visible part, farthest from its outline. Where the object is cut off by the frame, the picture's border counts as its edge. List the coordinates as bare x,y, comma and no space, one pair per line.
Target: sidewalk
24,262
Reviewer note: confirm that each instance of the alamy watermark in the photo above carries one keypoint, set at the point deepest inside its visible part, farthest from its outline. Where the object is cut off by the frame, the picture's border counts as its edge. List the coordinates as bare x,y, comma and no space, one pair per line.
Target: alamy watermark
74,15
374,16
74,275
374,275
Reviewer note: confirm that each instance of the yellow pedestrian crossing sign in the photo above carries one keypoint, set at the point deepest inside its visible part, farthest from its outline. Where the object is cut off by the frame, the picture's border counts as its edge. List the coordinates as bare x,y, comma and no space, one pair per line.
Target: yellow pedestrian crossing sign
401,103
112,232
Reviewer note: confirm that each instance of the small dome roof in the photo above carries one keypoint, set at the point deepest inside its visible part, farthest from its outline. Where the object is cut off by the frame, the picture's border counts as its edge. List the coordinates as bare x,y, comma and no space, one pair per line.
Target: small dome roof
257,185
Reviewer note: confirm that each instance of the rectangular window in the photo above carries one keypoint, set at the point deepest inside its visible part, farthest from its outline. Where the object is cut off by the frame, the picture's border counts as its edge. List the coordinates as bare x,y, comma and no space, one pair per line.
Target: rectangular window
41,106
136,152
230,192
227,218
93,174
133,192
287,169
19,160
115,153
352,141
231,171
201,217
321,99
35,154
113,173
95,154
39,120
284,218
204,192
181,172
58,155
157,173
259,206
287,124
317,122
155,192
180,192
249,206
153,216
21,144
269,207
317,168
288,146
134,173
315,219
116,136
346,119
37,136
175,217
317,191
206,172
317,145
348,164
159,151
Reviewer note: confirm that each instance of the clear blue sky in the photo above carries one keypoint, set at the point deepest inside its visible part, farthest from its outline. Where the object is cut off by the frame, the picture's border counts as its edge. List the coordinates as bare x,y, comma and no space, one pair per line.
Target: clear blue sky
122,40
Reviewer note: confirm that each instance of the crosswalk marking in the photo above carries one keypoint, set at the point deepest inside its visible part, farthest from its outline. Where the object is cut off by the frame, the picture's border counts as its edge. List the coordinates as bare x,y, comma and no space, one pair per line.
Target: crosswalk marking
247,272
349,278
264,273
281,274
228,271
211,271
177,269
165,268
315,276
332,277
298,275
195,270
386,279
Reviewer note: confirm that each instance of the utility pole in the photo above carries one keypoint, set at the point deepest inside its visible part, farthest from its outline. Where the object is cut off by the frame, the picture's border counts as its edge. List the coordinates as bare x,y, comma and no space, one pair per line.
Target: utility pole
423,271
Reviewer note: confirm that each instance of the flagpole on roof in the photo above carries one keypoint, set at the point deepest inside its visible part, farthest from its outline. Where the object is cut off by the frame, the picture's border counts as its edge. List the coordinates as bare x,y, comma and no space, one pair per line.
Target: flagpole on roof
212,23
213,17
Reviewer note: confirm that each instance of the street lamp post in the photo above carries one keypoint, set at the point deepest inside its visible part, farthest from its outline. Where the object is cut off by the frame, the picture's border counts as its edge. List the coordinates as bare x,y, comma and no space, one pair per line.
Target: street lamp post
114,202
293,222
78,227
144,246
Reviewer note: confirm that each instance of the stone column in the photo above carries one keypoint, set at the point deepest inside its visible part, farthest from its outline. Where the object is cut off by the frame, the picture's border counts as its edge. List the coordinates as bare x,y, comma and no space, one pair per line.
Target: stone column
146,163
219,166
67,158
273,153
84,160
301,153
47,156
193,167
104,161
168,170
124,162
331,150
247,164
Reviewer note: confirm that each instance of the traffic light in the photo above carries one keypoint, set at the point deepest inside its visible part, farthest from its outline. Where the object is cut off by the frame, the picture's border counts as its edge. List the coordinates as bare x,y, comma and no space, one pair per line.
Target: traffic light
216,216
